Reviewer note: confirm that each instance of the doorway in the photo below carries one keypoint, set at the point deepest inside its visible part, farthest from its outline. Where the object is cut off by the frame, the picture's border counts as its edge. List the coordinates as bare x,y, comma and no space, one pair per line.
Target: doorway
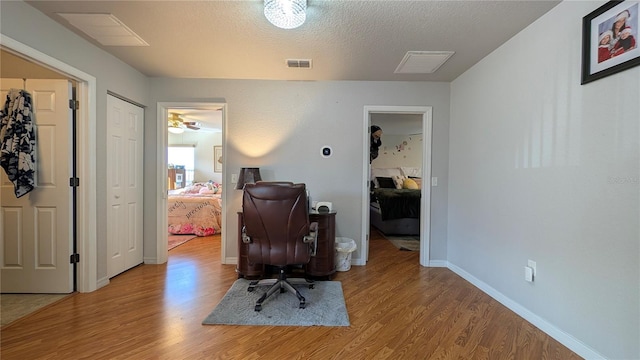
86,160
425,201
204,134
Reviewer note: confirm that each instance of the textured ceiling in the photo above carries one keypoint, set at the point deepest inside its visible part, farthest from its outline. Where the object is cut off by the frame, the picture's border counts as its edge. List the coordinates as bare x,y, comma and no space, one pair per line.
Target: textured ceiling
347,40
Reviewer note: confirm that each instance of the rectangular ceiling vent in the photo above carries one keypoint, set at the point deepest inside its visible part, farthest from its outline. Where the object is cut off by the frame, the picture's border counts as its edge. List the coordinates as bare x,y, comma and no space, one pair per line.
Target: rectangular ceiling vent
299,63
422,62
107,29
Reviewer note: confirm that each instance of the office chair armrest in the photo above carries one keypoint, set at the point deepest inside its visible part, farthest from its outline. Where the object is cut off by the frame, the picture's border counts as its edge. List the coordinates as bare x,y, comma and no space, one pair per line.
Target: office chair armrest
312,238
245,238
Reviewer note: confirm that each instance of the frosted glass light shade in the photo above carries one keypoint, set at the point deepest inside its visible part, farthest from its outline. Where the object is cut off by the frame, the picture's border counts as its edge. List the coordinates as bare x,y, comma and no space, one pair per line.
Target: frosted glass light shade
286,14
175,130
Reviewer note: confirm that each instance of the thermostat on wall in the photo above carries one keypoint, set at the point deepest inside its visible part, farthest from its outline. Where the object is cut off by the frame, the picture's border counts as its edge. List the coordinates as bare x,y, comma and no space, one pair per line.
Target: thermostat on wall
326,151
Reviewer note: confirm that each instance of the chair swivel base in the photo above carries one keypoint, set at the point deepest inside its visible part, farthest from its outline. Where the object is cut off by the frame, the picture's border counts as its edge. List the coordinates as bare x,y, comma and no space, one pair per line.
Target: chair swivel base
283,284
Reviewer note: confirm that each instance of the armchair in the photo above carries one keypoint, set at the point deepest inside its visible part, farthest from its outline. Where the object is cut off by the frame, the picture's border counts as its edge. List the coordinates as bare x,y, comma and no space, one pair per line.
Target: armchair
278,233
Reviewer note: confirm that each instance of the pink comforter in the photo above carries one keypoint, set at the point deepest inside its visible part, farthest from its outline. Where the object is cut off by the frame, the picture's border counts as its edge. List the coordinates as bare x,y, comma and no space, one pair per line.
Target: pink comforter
195,214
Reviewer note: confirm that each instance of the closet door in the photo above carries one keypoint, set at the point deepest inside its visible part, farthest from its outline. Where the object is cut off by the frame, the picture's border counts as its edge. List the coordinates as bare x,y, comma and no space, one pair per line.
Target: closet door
125,123
36,237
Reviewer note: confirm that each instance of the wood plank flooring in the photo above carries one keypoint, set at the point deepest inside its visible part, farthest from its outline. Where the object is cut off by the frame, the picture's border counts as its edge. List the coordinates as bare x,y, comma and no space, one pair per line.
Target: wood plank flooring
397,309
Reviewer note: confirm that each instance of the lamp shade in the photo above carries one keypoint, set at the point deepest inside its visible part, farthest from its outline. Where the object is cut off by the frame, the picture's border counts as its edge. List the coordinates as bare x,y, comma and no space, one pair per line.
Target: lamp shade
286,14
248,176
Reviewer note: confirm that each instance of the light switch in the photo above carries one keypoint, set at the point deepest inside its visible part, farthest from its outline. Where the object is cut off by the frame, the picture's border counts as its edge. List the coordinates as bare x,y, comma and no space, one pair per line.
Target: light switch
234,178
434,181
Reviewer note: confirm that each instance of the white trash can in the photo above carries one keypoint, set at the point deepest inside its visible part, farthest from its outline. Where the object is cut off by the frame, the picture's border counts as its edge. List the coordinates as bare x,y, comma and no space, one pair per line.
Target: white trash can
344,248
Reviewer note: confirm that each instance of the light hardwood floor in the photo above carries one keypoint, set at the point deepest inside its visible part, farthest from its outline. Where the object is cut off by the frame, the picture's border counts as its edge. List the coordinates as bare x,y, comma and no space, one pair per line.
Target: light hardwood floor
397,309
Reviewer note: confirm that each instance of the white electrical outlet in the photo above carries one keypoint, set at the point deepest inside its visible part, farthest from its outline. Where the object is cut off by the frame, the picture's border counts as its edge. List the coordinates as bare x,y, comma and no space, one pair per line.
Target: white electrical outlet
234,178
434,181
528,274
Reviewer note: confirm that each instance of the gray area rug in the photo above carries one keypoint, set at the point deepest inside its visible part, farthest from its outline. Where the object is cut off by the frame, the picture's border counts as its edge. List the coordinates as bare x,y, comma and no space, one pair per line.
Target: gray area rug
325,306
406,242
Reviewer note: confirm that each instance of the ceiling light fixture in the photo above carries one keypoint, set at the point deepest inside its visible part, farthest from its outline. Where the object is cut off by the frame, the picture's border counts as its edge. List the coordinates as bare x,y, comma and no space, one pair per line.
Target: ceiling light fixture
286,14
175,130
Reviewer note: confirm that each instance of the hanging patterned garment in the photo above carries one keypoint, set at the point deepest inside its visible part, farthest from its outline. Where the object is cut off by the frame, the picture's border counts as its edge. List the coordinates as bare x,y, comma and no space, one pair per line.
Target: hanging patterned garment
18,141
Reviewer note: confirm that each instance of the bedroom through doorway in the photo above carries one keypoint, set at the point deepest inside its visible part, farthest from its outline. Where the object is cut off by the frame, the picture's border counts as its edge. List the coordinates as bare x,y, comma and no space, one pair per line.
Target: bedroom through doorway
397,173
194,173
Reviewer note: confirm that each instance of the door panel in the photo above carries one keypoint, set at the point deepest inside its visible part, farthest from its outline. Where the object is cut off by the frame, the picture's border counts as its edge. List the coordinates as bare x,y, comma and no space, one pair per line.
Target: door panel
36,228
124,159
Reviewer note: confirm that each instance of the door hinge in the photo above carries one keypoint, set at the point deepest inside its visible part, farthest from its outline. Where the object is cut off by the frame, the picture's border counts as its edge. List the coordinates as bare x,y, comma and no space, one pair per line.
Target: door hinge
74,104
75,258
74,182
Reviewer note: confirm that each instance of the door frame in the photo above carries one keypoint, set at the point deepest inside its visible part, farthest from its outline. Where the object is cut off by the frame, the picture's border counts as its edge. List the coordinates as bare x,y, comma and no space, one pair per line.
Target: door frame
425,199
86,157
162,141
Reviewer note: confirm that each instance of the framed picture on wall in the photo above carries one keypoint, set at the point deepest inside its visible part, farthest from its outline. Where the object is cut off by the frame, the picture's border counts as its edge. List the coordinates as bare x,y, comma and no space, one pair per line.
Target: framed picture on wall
217,158
610,40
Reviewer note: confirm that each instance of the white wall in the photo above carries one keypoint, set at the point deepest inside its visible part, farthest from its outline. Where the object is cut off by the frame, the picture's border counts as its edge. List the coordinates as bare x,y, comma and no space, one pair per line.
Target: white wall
399,150
280,126
546,169
29,26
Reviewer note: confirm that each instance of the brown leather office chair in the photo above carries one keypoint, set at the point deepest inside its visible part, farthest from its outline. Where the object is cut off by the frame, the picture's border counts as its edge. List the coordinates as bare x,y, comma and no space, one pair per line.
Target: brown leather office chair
277,229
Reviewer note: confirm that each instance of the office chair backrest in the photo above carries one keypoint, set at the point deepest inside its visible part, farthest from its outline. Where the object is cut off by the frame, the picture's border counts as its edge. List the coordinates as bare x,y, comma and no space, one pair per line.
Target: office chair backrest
276,218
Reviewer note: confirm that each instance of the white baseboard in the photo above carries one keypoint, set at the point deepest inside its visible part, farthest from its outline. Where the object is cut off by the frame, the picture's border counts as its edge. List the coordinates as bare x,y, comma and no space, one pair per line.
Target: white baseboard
151,260
562,337
438,263
102,282
230,261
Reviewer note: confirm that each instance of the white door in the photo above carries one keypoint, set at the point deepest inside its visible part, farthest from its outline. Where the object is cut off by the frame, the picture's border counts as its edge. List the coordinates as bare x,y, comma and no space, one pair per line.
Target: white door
36,237
125,123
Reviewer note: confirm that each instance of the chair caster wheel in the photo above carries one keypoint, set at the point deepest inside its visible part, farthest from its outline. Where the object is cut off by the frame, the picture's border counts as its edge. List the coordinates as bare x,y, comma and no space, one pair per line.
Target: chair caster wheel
258,308
311,286
251,289
282,291
302,305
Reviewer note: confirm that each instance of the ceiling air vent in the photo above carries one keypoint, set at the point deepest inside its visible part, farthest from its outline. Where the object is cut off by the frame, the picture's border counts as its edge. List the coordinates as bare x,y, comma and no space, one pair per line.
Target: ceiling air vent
422,62
107,29
299,63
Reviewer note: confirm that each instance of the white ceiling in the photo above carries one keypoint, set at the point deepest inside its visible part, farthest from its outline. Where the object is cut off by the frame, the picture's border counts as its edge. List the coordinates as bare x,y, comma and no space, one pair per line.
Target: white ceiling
346,40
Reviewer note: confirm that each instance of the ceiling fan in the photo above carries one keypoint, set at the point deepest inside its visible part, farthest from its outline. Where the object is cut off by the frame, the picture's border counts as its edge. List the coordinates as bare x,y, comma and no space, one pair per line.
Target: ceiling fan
177,124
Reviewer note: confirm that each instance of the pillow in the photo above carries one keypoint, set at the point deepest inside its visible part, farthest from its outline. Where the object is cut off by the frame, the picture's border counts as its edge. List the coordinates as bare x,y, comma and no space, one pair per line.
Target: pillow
410,184
386,183
398,181
385,172
411,171
192,189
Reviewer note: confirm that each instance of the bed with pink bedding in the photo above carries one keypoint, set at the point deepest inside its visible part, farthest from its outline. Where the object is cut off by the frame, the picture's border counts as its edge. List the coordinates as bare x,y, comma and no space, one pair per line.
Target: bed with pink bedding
194,211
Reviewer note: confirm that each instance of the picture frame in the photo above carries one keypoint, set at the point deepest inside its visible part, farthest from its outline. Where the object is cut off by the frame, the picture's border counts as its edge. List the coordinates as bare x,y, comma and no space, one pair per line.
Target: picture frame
601,58
217,158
